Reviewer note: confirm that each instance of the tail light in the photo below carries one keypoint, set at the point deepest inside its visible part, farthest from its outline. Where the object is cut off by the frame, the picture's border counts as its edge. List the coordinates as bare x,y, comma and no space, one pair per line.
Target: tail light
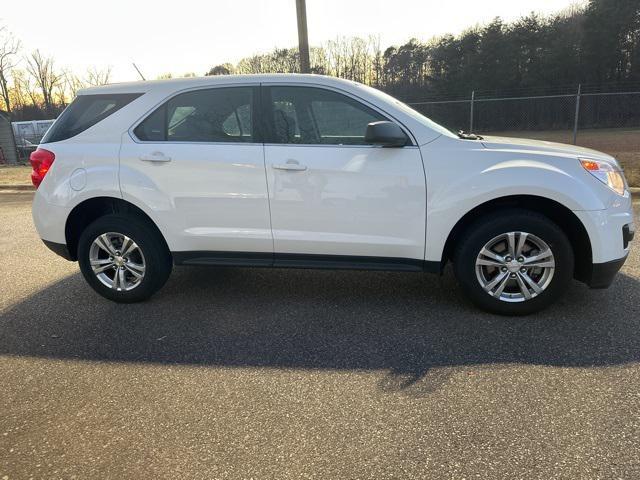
41,161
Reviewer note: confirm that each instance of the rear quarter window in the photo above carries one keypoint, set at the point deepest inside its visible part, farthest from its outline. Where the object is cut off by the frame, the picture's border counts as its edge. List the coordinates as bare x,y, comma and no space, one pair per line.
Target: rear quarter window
84,112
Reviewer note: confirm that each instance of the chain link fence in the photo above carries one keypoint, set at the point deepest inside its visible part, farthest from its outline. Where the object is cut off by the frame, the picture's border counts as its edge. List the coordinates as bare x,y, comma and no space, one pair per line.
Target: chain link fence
608,122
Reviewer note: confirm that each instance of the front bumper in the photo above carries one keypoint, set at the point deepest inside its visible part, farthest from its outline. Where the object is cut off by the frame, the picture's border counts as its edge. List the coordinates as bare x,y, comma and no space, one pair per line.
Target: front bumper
627,235
610,231
610,234
603,274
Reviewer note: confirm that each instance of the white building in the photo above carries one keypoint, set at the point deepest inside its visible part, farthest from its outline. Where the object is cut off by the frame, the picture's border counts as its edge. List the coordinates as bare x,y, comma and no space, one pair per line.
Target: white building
30,131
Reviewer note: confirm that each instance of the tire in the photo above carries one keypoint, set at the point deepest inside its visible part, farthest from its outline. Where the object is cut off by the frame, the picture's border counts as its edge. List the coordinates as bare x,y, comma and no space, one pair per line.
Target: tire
145,267
475,272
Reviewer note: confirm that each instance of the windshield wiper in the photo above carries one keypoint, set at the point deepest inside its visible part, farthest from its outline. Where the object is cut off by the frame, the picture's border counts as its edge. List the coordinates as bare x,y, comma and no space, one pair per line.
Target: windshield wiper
469,136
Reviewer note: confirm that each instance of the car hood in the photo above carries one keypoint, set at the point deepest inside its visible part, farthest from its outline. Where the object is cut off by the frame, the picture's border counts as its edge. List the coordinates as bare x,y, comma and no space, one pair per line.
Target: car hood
506,143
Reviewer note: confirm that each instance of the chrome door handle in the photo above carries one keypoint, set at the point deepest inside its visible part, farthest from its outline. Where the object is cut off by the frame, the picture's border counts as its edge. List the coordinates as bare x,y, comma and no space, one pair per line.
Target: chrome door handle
155,157
290,165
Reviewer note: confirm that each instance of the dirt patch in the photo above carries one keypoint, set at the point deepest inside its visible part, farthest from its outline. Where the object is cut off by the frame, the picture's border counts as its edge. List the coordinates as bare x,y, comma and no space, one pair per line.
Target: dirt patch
18,175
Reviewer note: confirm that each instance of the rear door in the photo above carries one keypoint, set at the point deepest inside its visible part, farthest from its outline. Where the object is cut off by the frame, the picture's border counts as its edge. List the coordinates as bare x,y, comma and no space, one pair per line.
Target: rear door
331,193
197,163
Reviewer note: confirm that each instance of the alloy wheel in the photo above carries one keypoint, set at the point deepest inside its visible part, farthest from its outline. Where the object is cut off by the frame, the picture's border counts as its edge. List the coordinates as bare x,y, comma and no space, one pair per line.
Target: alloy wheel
515,266
117,261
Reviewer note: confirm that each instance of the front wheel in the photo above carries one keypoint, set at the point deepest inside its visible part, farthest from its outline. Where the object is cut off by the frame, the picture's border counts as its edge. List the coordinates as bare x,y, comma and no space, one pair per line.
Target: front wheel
514,262
123,259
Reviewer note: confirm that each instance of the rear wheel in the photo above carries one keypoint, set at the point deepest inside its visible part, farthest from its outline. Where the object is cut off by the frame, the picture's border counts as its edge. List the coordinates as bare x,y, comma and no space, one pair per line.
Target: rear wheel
123,259
514,262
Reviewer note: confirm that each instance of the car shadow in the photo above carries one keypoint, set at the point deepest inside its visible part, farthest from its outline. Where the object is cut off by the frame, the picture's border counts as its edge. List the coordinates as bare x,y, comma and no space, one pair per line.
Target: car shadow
414,327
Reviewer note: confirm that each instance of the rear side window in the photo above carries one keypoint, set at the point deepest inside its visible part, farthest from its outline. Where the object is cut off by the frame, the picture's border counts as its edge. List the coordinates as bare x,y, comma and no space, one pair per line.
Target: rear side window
84,112
212,115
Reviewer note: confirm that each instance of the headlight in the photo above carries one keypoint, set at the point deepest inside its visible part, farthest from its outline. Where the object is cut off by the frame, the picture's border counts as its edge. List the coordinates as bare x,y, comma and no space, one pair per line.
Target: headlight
608,174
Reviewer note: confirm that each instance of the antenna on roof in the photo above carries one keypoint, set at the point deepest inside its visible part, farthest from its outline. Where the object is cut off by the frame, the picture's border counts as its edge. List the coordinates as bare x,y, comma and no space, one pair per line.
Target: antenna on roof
139,72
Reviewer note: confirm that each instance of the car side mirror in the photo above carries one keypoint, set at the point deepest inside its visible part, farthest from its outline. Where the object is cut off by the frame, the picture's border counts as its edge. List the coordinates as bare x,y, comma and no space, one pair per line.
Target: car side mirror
385,134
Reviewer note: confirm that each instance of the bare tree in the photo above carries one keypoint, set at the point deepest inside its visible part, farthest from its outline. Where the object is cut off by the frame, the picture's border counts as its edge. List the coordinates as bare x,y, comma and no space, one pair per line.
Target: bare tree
59,95
26,101
19,93
377,60
9,48
96,77
72,83
45,77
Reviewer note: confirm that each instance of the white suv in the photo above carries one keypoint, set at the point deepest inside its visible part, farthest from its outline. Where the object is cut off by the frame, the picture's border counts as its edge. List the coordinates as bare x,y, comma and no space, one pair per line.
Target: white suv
315,172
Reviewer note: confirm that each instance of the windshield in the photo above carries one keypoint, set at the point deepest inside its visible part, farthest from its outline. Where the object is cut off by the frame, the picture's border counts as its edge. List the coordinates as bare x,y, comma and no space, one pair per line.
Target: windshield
412,112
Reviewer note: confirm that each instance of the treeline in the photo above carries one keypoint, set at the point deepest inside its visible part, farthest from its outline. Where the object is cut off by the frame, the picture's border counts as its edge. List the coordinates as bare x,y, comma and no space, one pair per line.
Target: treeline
597,45
33,87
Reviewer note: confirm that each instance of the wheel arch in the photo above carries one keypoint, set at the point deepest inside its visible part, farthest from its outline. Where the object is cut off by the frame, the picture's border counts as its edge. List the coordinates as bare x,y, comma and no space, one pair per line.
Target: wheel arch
91,209
562,216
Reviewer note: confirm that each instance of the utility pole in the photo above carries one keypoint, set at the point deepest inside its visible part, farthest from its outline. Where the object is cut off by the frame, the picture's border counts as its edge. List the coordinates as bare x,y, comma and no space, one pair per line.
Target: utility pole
303,36
473,100
576,118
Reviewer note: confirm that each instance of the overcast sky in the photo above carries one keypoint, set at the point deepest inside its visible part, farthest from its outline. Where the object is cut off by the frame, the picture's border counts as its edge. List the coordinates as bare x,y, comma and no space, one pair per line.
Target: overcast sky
190,36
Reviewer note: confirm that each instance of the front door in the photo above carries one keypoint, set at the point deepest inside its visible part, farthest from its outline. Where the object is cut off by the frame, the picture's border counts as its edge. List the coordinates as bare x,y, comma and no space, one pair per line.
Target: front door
332,194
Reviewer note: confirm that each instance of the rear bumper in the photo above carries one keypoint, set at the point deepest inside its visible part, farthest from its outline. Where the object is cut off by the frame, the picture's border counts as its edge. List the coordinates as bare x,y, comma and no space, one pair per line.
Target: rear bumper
49,219
603,274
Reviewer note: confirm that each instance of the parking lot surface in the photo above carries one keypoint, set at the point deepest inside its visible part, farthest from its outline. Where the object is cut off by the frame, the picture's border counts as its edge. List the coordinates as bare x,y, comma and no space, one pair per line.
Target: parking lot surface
261,373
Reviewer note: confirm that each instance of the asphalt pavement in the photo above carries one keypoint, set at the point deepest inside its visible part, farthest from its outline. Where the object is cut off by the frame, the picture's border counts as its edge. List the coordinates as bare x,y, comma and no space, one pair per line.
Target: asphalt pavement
264,373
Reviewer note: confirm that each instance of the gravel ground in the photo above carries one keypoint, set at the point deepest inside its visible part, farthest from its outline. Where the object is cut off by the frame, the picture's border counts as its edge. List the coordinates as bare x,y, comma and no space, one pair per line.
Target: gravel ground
259,373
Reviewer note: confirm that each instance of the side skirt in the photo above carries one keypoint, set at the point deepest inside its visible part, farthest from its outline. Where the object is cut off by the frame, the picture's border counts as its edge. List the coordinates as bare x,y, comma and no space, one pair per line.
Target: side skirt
299,260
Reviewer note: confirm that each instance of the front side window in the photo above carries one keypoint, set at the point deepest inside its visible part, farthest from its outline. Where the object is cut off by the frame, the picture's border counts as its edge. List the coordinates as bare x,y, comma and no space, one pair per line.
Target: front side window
214,115
314,116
